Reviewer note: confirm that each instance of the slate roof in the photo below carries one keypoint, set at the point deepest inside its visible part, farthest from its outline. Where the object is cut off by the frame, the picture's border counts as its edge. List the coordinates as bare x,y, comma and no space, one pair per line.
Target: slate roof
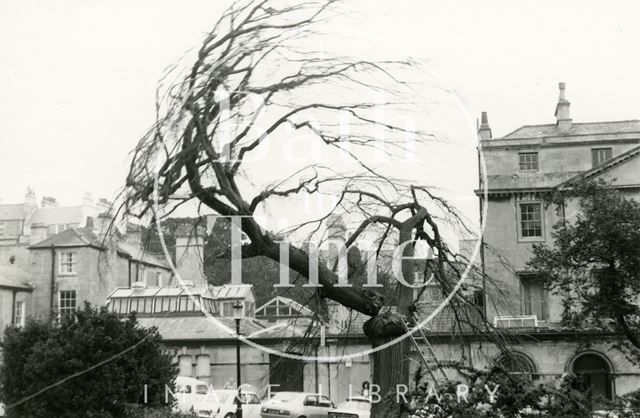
11,212
14,277
589,128
71,237
137,253
199,327
85,237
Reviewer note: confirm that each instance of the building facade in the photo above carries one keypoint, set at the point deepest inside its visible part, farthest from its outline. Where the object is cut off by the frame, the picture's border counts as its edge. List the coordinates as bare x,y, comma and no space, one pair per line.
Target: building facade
15,296
27,223
81,264
517,171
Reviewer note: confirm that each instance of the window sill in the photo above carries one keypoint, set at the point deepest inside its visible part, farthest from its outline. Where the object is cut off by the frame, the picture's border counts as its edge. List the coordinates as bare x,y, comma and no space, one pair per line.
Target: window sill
531,239
67,274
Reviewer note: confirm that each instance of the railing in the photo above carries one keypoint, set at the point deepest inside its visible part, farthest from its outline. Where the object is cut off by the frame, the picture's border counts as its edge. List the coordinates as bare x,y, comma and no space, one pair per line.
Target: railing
518,321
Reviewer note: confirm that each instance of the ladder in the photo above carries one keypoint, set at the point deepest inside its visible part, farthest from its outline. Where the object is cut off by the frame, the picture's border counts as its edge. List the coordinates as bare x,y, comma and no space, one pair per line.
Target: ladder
430,359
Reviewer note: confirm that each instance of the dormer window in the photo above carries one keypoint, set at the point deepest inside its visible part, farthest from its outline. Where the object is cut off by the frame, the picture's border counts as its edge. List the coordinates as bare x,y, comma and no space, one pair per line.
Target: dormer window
528,161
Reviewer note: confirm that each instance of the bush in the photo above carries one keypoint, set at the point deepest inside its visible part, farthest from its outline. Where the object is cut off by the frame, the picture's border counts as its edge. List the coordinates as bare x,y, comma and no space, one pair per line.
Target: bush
515,397
91,364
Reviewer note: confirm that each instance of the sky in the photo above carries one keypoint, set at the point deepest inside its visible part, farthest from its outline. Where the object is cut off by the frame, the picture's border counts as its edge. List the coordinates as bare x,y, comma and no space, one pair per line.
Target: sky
78,78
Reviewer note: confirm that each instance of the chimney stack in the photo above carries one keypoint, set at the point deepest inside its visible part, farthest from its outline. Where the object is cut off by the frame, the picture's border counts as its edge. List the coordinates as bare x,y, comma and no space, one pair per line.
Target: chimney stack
49,202
190,253
30,197
563,117
485,131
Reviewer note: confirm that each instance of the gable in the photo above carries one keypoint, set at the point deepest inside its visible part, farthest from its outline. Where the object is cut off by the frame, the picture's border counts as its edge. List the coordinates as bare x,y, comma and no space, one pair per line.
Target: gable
626,173
622,171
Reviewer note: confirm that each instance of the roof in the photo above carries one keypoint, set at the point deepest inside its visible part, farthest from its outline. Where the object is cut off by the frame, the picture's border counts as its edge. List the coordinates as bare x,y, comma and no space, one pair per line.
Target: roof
137,253
64,215
604,167
14,277
85,237
71,237
232,291
12,212
589,128
125,292
199,327
289,302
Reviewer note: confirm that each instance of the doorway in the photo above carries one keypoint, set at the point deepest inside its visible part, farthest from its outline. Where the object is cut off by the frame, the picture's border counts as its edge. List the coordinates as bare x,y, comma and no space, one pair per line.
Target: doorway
286,372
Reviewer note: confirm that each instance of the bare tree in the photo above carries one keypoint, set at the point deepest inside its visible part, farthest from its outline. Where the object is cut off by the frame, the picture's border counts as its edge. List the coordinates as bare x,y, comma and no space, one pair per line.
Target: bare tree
209,127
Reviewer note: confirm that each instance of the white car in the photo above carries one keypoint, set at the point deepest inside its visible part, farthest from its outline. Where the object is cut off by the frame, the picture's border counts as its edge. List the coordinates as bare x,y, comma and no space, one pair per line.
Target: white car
222,404
354,407
297,405
189,391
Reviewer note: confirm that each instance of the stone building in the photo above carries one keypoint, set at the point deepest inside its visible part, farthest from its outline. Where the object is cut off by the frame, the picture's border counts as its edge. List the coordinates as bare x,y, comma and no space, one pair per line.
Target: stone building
82,264
196,322
521,167
27,223
15,296
204,342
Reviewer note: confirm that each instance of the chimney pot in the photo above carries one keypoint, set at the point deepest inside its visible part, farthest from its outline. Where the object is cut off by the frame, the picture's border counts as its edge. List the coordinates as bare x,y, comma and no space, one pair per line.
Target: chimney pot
561,87
563,118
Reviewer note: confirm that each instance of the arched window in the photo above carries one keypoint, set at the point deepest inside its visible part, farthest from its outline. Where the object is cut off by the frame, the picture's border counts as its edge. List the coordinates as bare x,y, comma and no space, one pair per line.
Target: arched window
517,364
595,373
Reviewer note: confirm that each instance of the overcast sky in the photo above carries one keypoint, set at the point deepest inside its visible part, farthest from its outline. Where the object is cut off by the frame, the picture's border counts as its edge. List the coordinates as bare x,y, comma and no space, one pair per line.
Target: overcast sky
77,78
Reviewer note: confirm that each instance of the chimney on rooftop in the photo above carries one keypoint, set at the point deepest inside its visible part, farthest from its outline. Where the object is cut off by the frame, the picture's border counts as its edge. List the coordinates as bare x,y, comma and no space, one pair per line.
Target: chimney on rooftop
30,197
484,132
49,202
190,253
563,118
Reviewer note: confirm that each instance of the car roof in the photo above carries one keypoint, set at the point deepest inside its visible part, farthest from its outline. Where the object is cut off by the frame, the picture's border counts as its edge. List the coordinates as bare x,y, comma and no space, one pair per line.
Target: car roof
233,391
184,380
359,399
301,393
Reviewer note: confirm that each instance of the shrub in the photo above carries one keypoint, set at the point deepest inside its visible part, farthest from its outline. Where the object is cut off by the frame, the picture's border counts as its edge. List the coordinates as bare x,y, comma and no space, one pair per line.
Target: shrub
91,364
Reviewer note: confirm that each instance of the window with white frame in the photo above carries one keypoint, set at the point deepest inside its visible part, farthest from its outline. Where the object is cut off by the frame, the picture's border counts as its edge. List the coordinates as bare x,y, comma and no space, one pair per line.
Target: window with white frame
530,220
600,155
18,319
67,303
432,294
68,261
528,161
